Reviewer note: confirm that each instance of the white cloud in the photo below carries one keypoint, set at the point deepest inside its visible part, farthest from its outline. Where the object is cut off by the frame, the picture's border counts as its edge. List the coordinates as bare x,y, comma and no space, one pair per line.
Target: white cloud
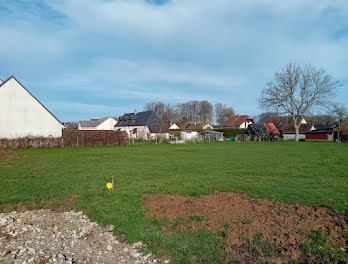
130,49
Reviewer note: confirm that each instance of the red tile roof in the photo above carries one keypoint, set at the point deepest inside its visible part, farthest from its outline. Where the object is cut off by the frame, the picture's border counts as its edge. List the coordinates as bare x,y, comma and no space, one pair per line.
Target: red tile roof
236,121
271,128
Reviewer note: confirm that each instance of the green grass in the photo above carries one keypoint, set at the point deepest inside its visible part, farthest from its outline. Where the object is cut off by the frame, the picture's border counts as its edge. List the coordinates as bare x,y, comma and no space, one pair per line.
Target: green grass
306,172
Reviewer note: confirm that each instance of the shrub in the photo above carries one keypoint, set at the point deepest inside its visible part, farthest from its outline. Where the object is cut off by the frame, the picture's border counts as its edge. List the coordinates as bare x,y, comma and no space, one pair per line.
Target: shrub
231,132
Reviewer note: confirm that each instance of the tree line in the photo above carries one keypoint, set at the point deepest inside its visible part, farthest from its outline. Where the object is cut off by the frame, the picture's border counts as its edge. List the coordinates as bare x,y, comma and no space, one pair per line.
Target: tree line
191,112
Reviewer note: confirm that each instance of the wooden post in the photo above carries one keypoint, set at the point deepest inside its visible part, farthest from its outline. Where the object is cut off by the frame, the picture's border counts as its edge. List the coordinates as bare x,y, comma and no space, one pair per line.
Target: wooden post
77,141
113,182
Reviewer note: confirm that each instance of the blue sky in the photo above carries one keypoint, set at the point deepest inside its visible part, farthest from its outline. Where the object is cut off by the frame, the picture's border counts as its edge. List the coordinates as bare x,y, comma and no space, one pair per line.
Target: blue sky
94,58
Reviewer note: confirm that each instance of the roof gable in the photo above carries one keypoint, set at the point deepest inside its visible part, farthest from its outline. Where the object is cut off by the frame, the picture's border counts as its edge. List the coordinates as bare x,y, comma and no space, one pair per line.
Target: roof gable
271,128
237,120
93,122
22,86
257,130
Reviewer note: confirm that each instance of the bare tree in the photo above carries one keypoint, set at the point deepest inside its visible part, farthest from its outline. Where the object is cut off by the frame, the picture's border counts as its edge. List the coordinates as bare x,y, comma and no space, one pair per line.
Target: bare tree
222,113
297,90
206,111
339,112
159,108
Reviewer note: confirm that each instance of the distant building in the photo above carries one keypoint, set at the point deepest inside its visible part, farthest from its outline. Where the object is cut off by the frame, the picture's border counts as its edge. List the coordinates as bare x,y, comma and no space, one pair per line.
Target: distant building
341,131
272,130
189,135
289,132
238,121
22,115
214,136
143,125
105,123
174,127
257,132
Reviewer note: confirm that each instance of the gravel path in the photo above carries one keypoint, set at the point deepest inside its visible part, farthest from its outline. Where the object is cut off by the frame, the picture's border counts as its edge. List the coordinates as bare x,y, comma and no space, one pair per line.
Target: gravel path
51,237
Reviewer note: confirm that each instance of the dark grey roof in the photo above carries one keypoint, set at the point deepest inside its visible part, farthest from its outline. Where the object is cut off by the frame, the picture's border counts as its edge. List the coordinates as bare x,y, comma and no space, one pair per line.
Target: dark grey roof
12,77
92,122
257,130
324,127
147,118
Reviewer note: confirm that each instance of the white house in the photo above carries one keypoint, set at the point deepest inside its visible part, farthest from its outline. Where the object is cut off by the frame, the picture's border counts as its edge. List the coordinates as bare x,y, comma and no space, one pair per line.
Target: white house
105,123
238,121
143,125
22,115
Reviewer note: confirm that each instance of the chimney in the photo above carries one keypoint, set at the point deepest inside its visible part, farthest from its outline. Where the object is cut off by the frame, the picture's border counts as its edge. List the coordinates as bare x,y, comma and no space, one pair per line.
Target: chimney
135,112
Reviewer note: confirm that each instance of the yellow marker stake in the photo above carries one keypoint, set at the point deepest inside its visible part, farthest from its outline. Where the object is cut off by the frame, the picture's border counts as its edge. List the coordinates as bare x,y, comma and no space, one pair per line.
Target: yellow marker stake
109,185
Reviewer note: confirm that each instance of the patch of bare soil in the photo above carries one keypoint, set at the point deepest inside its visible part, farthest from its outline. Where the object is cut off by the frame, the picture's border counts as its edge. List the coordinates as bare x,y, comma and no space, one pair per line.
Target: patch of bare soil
7,154
59,204
256,230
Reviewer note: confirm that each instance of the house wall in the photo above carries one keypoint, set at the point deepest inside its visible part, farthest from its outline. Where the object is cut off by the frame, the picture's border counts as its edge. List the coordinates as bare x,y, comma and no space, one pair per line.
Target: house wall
292,136
323,137
21,115
245,124
108,124
143,132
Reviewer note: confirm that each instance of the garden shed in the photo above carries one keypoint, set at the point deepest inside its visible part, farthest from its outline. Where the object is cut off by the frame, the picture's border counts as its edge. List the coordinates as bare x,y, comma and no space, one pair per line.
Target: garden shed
214,136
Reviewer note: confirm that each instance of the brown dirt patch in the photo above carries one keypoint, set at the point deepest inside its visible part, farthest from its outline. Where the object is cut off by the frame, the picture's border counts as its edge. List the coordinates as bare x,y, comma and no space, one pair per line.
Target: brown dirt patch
7,154
60,204
242,220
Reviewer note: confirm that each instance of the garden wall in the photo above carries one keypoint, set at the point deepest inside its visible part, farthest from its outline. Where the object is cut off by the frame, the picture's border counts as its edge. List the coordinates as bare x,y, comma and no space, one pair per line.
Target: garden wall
70,138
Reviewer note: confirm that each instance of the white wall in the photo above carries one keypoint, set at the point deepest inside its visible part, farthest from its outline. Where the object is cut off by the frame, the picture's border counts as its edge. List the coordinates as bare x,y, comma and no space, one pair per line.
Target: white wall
143,132
292,136
22,115
108,124
189,136
245,124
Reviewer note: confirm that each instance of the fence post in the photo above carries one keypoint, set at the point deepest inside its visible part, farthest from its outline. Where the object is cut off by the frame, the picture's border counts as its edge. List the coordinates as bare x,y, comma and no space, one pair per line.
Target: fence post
77,140
113,182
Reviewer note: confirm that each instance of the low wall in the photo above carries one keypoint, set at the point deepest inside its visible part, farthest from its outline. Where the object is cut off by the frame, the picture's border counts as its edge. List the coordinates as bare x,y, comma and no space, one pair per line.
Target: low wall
70,138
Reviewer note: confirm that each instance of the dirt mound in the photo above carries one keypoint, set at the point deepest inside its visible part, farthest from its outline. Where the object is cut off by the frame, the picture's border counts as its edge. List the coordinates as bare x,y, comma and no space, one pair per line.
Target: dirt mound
257,230
6,154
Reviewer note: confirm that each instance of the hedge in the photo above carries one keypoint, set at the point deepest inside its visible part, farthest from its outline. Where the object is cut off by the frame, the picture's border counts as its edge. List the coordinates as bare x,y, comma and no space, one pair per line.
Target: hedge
231,132
70,138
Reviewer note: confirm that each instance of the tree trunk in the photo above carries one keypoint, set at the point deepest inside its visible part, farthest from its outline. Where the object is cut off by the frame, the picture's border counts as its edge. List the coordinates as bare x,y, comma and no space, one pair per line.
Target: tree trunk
297,132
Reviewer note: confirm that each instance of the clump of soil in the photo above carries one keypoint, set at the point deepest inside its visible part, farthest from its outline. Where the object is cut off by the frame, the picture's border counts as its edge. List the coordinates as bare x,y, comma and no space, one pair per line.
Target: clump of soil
252,227
7,154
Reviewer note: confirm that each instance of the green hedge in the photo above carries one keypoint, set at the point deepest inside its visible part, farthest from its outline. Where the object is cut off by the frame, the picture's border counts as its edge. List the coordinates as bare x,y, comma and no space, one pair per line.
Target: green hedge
231,132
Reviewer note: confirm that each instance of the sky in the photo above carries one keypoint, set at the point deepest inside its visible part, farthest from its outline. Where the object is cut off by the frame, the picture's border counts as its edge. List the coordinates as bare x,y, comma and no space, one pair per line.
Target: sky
92,58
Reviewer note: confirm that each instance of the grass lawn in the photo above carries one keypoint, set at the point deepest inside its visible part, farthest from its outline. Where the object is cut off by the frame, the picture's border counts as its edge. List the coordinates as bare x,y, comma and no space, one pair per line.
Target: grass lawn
306,172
